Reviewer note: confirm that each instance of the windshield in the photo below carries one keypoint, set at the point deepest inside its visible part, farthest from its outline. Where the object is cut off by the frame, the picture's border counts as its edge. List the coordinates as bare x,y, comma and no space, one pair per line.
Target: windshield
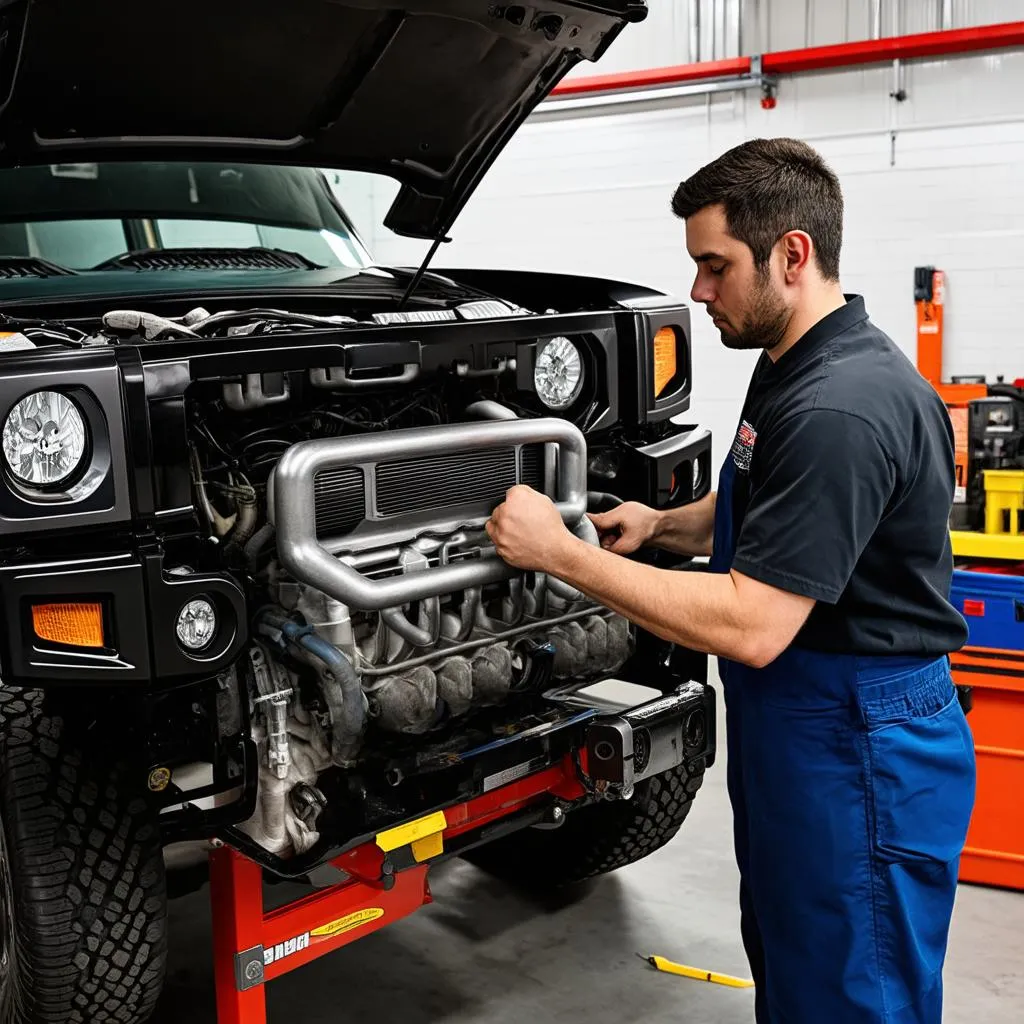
79,216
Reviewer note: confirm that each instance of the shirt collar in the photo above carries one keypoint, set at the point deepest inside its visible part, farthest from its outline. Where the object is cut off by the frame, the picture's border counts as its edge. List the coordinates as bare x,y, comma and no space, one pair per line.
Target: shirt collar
827,328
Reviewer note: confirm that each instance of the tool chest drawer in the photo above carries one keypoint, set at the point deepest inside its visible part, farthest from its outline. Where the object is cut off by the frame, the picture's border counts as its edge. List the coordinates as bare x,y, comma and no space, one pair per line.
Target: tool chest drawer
994,852
992,602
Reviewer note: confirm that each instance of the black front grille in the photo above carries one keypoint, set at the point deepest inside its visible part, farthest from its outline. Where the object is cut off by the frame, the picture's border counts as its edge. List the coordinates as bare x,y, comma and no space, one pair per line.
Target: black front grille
340,500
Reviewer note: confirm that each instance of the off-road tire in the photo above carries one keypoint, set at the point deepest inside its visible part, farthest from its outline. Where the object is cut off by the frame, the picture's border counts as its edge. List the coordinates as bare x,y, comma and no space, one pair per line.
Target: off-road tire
596,839
82,893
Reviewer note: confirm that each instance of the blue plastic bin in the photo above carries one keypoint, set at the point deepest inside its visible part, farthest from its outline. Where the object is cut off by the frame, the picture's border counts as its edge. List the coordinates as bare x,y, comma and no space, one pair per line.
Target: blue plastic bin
993,605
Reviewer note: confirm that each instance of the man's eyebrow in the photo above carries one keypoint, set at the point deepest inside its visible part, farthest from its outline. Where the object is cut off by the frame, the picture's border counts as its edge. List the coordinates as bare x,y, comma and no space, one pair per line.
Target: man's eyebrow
706,257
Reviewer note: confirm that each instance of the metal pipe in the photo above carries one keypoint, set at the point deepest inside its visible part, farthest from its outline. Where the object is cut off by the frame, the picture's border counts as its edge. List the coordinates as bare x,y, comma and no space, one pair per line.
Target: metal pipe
947,43
472,645
293,504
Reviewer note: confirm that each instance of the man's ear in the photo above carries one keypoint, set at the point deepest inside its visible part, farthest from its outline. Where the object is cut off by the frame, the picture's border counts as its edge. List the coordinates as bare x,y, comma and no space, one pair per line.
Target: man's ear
797,252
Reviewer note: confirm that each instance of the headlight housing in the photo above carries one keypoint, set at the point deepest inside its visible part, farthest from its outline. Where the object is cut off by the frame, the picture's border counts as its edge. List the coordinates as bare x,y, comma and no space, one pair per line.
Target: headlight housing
558,373
45,439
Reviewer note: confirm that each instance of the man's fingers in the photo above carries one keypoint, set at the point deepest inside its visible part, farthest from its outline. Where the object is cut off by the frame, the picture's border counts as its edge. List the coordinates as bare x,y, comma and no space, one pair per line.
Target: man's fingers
605,520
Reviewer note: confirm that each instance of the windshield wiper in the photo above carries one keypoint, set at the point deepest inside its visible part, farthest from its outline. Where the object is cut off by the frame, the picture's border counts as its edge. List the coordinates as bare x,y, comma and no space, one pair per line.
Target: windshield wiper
204,258
31,266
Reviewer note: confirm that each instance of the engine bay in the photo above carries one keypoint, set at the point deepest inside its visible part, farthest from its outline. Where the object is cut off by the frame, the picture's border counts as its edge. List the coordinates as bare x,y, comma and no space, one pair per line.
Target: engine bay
334,681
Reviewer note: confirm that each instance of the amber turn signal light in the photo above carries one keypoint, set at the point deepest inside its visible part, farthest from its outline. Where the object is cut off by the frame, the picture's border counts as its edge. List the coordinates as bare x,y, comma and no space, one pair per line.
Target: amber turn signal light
664,359
74,625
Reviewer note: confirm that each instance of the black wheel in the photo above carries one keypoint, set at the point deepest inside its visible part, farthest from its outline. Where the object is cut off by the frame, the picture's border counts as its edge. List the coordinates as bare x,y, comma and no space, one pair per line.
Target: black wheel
596,839
82,894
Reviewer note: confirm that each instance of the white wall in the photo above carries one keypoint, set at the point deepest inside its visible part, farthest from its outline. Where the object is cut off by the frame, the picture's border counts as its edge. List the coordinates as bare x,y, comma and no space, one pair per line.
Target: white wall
591,195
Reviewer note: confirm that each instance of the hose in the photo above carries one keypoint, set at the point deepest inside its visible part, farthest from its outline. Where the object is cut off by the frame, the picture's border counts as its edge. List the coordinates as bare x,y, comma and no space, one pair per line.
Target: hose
602,501
339,684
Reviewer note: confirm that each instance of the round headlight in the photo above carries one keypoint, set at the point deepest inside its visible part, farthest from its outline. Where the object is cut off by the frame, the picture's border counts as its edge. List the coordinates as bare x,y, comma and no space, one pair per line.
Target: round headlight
558,373
44,439
197,623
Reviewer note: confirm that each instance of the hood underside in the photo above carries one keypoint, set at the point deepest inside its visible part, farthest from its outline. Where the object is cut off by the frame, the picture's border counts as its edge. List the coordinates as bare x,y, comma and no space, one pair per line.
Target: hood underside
426,91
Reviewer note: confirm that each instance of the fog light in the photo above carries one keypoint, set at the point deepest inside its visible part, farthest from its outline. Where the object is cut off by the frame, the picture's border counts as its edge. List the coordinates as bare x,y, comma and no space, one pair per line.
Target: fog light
197,623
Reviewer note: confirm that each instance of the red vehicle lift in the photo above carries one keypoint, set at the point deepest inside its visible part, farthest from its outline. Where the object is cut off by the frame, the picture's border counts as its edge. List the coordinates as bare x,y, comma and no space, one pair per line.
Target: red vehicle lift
384,880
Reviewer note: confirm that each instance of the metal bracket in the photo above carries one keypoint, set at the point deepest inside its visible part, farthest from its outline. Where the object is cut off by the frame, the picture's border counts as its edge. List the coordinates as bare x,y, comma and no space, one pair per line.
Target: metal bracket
250,393
249,968
769,85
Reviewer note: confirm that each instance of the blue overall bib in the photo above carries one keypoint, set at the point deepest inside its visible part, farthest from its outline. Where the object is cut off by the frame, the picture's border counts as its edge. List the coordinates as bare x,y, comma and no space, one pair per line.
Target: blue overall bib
852,785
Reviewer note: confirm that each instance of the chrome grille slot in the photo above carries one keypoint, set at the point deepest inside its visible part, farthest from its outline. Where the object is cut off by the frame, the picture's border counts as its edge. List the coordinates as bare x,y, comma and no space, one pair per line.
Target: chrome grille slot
340,500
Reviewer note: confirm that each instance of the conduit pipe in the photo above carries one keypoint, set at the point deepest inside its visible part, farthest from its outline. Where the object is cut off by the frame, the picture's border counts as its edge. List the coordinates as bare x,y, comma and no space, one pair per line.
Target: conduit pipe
945,43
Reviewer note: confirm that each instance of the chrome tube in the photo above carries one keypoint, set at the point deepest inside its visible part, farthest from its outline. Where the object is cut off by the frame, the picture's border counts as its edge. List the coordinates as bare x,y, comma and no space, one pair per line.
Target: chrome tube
293,505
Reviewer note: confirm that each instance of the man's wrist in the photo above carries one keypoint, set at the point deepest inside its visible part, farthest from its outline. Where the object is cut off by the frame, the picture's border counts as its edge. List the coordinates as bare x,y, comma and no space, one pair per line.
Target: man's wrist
659,527
567,560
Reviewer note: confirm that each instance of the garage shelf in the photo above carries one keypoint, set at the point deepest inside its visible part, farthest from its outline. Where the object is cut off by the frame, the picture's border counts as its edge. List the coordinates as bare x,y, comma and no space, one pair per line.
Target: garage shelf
967,544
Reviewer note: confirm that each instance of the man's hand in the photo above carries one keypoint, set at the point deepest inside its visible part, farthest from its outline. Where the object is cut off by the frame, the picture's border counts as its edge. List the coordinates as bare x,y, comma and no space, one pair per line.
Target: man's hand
627,527
527,530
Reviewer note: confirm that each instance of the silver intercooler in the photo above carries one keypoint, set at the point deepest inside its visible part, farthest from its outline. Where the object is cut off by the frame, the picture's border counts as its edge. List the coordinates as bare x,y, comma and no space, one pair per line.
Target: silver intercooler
332,498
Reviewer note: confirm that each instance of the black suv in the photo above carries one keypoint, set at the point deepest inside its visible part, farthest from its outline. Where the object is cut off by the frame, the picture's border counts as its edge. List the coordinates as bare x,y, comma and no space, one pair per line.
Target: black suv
249,597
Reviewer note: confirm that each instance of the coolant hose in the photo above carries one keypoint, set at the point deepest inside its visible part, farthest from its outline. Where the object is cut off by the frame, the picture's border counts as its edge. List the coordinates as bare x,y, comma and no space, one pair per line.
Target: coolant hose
342,690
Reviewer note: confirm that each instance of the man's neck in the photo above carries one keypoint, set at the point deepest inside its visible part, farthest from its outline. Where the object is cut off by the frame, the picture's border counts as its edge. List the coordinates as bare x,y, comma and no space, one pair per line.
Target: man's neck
806,315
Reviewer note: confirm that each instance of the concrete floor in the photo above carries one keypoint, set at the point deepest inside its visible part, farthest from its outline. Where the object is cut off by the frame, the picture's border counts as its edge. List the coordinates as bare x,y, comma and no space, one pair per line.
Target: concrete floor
535,962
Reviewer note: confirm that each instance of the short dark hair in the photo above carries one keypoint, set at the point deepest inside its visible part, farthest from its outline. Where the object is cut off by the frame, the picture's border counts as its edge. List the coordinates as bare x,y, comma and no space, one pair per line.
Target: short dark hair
769,187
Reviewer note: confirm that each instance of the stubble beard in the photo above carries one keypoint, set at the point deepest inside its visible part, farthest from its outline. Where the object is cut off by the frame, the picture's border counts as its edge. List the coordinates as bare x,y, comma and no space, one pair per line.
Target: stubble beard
764,324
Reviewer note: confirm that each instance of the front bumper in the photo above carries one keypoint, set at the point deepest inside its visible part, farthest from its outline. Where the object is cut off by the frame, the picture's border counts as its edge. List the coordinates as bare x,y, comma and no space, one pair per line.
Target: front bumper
585,743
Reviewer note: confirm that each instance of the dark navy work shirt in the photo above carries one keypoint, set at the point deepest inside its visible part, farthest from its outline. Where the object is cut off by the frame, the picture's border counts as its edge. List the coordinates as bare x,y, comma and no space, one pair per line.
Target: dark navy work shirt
844,464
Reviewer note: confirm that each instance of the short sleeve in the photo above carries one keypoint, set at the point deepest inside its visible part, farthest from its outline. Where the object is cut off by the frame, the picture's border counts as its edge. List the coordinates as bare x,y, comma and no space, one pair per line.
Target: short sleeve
824,484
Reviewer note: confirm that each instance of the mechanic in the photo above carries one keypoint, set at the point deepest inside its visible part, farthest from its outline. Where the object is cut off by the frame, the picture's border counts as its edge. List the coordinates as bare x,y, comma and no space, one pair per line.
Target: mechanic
851,766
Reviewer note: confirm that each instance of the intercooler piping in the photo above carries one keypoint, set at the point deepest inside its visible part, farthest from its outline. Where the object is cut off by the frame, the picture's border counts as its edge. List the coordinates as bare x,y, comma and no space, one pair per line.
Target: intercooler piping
338,682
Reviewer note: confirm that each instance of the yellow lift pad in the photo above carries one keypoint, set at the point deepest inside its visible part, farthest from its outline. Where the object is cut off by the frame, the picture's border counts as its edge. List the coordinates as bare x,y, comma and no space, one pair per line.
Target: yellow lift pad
423,834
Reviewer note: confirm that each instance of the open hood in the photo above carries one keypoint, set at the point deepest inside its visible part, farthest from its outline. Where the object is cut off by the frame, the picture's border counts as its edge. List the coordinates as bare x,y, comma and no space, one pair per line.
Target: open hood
426,91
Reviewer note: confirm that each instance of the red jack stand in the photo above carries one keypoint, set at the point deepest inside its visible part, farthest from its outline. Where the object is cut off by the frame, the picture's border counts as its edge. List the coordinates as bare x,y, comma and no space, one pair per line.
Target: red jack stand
252,946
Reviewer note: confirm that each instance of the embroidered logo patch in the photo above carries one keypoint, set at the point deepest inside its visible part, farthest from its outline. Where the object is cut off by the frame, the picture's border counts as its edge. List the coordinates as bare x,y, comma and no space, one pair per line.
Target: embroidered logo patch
743,446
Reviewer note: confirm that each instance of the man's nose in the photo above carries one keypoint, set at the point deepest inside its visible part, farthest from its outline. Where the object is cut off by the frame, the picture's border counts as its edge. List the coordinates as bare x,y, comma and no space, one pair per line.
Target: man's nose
702,291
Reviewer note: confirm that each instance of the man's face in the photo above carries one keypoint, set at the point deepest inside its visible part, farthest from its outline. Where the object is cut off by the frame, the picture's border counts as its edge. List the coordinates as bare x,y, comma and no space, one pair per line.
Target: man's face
747,306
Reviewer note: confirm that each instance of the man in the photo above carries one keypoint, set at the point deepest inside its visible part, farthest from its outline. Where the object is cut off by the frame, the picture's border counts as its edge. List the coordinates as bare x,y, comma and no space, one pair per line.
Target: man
851,766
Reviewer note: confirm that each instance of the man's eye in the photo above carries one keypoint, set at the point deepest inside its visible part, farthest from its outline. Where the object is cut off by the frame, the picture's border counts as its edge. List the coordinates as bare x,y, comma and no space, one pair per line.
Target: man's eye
717,271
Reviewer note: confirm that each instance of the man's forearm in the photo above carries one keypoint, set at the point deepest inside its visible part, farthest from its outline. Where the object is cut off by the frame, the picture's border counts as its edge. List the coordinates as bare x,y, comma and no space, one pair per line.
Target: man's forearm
689,530
702,611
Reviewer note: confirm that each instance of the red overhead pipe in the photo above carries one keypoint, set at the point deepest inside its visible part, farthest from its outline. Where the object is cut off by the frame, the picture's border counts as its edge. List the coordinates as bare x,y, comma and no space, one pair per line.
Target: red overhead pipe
816,58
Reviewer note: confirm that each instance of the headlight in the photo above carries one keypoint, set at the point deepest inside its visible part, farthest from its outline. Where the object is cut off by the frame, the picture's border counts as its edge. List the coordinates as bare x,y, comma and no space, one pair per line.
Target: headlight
197,623
558,373
44,439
